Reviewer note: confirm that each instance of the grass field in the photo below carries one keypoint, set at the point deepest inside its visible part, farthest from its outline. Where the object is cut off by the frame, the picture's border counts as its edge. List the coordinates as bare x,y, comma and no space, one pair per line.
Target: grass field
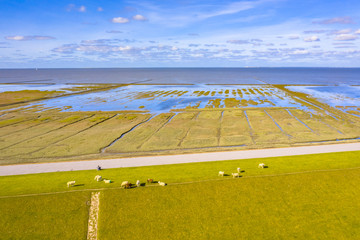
312,197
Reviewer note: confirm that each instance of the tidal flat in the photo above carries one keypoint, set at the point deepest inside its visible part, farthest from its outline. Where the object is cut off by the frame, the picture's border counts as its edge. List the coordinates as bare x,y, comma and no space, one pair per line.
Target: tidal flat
87,121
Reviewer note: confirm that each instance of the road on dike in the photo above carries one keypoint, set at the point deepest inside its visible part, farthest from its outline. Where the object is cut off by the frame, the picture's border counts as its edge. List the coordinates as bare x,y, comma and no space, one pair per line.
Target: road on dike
173,159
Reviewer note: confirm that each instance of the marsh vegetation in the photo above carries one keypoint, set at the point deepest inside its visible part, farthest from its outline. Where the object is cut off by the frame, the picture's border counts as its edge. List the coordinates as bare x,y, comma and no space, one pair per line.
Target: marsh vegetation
149,119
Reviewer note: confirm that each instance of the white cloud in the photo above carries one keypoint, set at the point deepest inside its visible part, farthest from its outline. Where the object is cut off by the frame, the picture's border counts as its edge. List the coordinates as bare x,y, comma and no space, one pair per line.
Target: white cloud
28,38
357,31
120,20
343,31
337,20
139,17
312,39
300,52
345,37
82,9
100,9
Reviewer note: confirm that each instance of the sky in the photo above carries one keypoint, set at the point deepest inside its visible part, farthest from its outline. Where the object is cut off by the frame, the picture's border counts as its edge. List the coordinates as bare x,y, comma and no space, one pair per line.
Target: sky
183,33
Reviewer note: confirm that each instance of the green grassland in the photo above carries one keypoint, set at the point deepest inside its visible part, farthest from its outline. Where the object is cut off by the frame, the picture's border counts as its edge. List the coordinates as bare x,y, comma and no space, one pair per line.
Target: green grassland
312,197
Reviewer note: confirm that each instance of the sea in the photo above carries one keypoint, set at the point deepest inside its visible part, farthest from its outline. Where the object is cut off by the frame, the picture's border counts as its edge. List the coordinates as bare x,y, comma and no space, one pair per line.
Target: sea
177,76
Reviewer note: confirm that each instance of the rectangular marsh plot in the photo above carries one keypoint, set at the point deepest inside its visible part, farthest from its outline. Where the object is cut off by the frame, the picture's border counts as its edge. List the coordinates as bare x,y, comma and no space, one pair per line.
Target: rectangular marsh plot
74,124
172,134
13,128
234,129
324,132
47,124
11,120
291,126
264,129
205,132
348,129
134,140
93,139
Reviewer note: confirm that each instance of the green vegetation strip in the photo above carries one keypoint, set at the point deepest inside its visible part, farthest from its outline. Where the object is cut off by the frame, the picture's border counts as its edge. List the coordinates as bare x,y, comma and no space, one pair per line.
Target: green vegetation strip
304,197
177,173
322,205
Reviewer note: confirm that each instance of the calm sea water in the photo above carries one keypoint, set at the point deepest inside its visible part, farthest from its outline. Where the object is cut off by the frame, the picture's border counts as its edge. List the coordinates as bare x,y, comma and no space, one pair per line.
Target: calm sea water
293,76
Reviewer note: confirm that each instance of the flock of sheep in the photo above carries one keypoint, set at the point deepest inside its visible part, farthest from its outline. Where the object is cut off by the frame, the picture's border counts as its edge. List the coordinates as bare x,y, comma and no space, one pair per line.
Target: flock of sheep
237,174
127,184
124,184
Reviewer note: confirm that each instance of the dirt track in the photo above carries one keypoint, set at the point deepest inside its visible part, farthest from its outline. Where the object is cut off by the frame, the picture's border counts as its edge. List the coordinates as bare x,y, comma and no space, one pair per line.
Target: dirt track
174,159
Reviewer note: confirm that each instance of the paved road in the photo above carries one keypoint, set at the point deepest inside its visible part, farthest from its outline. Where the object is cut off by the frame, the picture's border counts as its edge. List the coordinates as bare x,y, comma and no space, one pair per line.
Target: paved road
174,159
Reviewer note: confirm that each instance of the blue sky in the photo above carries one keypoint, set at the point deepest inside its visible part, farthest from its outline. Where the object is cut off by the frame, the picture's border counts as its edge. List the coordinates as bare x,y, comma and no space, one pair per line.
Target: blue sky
184,33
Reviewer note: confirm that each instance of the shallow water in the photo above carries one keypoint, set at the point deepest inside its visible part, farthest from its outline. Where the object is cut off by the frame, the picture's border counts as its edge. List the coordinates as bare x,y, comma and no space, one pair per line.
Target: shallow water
289,76
160,98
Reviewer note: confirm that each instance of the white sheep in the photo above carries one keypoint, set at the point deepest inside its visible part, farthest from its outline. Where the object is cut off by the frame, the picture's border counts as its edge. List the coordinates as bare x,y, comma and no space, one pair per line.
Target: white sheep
98,178
124,183
235,175
138,183
70,184
238,170
162,183
221,173
261,165
107,180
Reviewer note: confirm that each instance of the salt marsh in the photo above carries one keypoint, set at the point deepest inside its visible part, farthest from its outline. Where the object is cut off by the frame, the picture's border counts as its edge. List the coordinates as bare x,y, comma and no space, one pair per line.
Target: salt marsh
164,98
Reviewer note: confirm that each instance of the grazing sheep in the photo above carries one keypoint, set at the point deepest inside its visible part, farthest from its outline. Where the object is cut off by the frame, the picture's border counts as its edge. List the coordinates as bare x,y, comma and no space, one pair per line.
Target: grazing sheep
261,165
238,170
138,183
162,183
221,173
98,178
150,180
70,184
126,184
123,184
107,180
235,175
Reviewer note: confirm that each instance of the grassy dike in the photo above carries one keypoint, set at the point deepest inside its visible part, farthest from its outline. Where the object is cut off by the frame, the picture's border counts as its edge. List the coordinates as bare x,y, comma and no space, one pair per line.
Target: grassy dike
311,196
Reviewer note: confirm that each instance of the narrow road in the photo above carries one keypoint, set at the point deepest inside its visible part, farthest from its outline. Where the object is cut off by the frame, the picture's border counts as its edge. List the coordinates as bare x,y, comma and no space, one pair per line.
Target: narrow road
174,159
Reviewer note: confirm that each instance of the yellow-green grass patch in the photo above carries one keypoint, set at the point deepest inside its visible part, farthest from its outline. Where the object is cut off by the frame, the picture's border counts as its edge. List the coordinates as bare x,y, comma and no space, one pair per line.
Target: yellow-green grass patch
60,216
304,206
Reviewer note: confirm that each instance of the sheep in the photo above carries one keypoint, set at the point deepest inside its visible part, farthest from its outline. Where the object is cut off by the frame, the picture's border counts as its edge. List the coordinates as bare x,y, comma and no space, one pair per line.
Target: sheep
107,180
150,180
261,165
238,170
70,184
221,173
235,175
126,184
162,183
138,183
123,184
98,178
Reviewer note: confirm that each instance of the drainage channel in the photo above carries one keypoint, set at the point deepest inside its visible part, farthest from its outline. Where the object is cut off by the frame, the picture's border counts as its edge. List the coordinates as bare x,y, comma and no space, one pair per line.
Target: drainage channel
102,150
288,135
301,122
